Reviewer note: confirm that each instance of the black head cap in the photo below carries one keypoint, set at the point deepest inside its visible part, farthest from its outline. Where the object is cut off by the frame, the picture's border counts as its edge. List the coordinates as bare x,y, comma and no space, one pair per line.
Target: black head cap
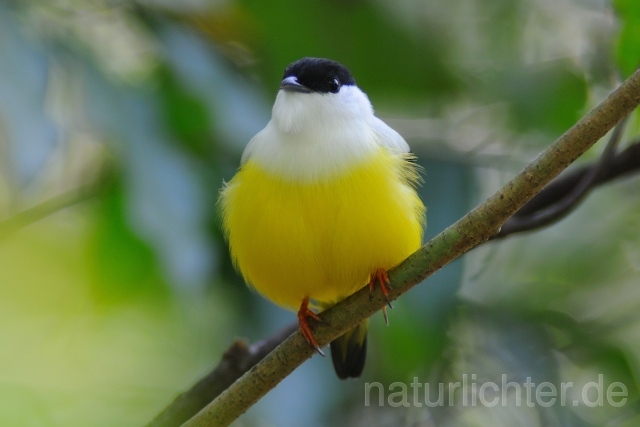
320,75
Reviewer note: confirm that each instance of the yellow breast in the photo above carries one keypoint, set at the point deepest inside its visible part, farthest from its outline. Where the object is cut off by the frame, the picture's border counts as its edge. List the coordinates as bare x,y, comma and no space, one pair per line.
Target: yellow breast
321,239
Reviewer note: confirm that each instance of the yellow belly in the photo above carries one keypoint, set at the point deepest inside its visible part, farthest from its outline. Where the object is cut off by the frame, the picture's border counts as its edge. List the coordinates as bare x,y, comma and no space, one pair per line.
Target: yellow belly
322,240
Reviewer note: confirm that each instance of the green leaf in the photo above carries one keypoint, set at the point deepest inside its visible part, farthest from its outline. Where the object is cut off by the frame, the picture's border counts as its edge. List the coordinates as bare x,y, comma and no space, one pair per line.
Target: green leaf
628,47
549,98
185,114
384,57
124,265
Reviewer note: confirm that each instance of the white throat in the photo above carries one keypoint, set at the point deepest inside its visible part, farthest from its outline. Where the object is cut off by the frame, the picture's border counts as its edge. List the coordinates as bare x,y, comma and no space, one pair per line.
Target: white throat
314,136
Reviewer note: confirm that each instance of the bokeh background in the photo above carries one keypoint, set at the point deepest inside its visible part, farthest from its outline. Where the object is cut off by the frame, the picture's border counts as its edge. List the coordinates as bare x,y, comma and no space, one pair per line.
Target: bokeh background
119,121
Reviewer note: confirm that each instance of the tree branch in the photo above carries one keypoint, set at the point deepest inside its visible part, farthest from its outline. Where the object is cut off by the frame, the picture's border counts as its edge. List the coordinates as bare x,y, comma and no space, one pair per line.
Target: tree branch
44,209
474,228
237,360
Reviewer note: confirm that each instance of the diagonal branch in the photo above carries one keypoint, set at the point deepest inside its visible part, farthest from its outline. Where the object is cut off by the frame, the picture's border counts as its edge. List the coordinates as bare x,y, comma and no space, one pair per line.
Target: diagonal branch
473,229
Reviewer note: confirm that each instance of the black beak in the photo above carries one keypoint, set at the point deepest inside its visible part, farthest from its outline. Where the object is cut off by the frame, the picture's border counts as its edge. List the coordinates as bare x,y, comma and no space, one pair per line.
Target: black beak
290,84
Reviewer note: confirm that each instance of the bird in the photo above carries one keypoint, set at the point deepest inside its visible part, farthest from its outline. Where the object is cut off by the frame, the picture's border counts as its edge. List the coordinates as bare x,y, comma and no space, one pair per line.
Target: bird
324,202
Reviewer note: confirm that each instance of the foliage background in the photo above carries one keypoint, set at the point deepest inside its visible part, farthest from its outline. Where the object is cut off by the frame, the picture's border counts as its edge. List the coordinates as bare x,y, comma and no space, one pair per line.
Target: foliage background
120,119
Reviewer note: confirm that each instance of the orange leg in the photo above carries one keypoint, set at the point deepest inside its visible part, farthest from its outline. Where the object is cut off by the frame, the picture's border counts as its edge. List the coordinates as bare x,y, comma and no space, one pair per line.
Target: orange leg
383,280
381,276
303,320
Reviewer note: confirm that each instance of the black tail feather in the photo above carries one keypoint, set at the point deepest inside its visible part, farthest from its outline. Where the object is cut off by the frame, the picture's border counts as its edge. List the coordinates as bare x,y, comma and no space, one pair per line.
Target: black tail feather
349,352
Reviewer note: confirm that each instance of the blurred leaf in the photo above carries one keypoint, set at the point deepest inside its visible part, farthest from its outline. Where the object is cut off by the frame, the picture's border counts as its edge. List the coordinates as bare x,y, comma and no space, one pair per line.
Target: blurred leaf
499,346
237,109
628,48
124,264
70,362
386,60
588,345
27,133
185,114
230,27
165,198
407,346
547,98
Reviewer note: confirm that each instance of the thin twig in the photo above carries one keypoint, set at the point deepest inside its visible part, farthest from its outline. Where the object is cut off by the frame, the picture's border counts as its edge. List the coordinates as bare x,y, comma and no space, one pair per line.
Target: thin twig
44,209
236,360
623,163
563,206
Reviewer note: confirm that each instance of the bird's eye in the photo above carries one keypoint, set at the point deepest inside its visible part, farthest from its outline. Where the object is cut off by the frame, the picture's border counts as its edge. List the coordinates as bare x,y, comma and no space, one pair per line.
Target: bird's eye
334,85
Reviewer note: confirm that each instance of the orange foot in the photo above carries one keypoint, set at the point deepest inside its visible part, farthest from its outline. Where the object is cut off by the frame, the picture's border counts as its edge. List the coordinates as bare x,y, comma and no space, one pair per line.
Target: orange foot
303,320
383,280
